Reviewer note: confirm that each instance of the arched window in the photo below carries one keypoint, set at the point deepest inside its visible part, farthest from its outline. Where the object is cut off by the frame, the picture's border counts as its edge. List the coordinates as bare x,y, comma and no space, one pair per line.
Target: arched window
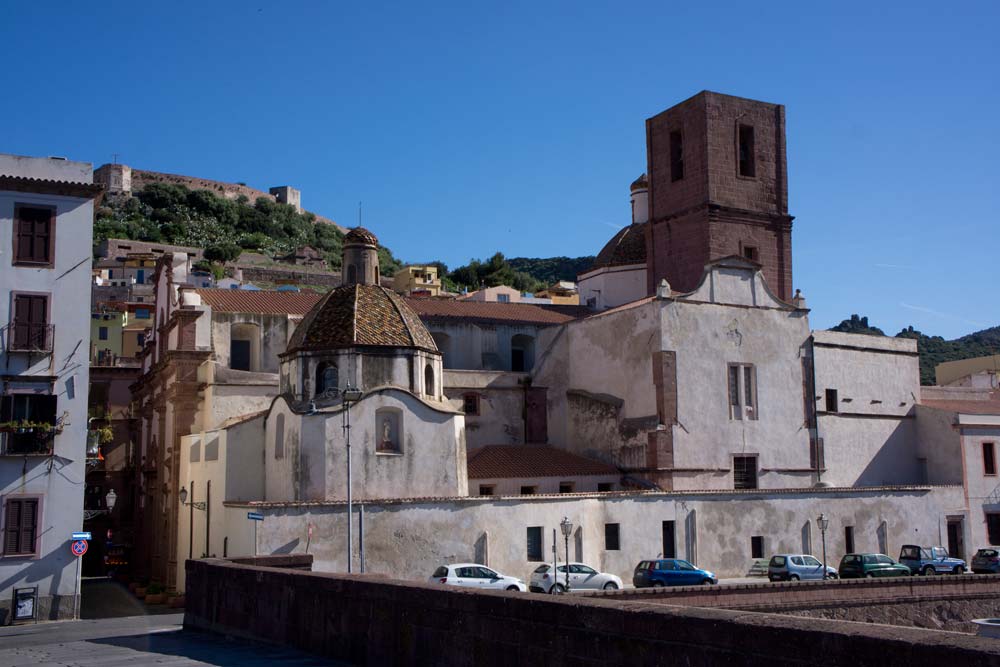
522,353
429,380
244,347
327,378
352,275
279,437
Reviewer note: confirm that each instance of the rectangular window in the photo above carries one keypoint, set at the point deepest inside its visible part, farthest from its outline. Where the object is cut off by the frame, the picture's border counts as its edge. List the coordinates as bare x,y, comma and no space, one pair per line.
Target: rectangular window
603,487
503,298
742,391
486,489
470,404
565,487
750,252
528,490
669,540
989,459
102,333
142,313
831,400
993,527
534,539
612,537
757,546
849,539
676,156
748,165
30,327
744,472
20,527
34,235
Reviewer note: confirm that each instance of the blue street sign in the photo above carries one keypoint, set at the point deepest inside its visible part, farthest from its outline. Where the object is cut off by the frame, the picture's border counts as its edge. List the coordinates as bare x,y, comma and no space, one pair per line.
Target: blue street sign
254,516
81,536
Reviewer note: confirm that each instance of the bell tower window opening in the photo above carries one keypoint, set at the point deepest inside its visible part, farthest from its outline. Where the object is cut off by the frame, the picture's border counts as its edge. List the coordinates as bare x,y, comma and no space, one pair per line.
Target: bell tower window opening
747,163
429,380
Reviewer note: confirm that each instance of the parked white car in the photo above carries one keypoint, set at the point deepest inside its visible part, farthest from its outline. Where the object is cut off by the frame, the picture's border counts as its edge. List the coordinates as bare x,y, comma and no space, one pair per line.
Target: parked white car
581,577
473,575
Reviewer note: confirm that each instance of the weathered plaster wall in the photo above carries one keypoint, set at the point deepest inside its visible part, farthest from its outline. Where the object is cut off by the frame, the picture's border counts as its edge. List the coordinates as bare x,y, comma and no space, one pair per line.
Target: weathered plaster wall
481,346
501,405
408,539
613,285
544,485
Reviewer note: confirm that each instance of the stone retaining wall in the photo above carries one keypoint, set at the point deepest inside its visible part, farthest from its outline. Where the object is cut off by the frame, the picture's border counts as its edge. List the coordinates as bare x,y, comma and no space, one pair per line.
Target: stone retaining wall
366,620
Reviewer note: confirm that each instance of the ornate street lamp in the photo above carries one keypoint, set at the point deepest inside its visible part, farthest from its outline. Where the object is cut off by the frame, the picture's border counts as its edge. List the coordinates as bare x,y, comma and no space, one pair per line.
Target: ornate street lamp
349,395
567,529
203,506
823,524
110,499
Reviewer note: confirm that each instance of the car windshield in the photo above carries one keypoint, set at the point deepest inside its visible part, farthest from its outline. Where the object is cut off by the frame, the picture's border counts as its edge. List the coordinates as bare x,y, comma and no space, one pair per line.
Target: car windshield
541,569
885,560
939,552
910,552
809,560
644,565
684,565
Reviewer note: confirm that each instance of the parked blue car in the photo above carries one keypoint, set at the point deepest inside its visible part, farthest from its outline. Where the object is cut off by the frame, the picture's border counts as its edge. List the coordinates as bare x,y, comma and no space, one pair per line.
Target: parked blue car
670,572
930,560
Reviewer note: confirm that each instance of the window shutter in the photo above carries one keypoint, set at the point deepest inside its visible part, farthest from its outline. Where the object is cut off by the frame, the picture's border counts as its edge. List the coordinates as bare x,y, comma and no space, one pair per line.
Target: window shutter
22,321
12,526
42,229
29,519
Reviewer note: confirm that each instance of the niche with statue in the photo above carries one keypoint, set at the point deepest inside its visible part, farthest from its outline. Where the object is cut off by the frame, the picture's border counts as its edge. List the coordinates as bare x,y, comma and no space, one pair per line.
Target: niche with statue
389,431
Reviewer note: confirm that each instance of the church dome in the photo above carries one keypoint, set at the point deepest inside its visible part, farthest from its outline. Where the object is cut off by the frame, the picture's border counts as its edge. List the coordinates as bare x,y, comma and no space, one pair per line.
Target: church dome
641,183
361,315
628,246
362,236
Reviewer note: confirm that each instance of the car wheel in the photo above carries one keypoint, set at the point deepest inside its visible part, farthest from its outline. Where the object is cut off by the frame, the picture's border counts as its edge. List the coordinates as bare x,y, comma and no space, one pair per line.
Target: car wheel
870,575
513,588
929,571
771,579
611,586
959,569
657,584
793,577
558,589
833,576
707,582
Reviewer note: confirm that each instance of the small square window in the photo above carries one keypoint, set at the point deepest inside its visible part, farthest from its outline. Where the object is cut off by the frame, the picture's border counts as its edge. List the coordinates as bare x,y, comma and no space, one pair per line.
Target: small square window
757,546
603,487
102,333
486,489
744,472
142,313
470,404
528,490
565,487
503,298
750,252
612,537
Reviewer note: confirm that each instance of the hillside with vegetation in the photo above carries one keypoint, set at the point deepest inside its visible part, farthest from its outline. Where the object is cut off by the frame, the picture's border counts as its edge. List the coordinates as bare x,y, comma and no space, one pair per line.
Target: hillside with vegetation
549,270
933,350
175,214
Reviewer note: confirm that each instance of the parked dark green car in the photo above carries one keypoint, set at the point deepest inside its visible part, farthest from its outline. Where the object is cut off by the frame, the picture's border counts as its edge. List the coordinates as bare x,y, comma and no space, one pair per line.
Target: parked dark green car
855,566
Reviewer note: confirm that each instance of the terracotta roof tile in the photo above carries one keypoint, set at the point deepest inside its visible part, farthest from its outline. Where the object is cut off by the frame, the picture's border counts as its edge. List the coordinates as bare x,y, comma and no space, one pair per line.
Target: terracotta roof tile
360,235
514,461
485,311
628,246
361,315
265,302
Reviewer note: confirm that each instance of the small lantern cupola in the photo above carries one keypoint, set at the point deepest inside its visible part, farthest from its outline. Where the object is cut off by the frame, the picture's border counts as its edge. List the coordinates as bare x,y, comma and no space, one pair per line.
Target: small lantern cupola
359,265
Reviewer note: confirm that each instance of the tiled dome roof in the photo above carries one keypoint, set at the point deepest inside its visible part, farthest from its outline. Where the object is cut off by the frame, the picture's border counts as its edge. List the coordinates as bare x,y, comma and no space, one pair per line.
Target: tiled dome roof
641,183
359,314
360,235
626,247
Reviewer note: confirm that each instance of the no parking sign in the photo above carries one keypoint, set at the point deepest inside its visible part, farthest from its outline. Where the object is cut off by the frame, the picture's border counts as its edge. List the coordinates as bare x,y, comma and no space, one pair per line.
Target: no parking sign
78,547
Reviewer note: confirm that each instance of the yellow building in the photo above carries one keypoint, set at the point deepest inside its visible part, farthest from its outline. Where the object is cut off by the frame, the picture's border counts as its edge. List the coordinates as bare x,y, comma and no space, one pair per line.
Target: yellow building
106,325
562,293
417,280
138,322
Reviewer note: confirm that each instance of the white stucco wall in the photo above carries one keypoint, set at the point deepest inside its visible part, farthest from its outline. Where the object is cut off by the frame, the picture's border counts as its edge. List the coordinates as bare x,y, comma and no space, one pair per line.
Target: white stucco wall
409,539
612,286
58,481
501,404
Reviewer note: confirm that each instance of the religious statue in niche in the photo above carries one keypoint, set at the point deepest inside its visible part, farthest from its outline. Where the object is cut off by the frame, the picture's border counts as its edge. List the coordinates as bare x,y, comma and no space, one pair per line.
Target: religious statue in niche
387,429
387,434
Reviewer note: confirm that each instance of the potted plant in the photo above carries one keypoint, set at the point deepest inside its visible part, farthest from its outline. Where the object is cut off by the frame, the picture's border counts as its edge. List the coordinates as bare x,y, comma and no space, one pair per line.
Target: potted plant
155,594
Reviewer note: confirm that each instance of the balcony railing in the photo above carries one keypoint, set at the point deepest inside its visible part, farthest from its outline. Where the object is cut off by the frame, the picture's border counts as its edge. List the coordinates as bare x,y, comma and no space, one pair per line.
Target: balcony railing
19,442
30,337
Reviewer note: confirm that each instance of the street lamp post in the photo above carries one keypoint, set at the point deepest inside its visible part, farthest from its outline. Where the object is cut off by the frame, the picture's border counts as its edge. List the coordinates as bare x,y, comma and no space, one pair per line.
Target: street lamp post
567,529
349,395
183,495
823,524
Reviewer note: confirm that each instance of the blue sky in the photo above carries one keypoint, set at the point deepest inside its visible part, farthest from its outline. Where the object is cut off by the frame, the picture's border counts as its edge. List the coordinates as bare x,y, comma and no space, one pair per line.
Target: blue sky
518,126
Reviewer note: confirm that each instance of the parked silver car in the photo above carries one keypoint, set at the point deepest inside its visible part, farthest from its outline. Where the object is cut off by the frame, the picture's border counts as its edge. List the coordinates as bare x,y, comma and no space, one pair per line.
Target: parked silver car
793,567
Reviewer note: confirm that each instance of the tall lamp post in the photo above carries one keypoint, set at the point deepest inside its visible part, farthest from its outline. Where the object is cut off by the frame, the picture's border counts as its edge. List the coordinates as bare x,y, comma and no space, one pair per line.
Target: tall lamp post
183,495
823,524
567,529
349,395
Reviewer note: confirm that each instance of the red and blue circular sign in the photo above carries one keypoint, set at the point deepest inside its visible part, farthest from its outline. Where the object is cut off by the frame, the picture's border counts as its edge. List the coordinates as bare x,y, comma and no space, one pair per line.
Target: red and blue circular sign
79,547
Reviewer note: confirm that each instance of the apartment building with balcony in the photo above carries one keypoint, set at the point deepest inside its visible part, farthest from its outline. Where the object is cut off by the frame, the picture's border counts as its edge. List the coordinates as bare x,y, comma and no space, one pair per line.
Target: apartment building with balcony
46,222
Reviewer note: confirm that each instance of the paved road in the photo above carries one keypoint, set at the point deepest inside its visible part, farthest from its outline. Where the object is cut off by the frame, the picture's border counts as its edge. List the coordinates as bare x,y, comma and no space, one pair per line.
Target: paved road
134,641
